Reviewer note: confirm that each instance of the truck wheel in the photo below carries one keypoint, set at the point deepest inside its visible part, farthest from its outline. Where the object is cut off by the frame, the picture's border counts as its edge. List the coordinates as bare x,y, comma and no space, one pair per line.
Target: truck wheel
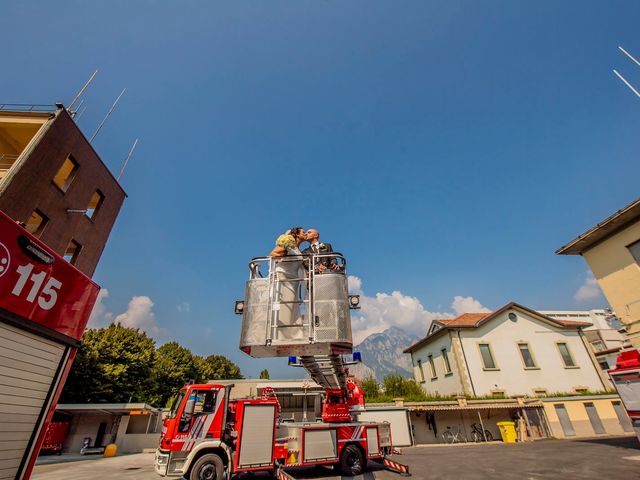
207,467
351,461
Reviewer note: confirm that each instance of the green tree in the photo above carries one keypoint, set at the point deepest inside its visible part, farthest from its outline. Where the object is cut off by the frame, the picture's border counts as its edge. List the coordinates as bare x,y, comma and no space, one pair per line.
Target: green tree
216,367
114,364
371,388
398,386
264,374
174,366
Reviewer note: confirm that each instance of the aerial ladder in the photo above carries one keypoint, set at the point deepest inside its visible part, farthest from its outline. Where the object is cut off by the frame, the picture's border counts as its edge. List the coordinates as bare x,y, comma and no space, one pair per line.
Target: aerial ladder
305,317
318,331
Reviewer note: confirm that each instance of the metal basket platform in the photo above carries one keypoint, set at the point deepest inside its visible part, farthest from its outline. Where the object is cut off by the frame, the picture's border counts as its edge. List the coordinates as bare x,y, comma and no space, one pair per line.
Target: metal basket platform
304,314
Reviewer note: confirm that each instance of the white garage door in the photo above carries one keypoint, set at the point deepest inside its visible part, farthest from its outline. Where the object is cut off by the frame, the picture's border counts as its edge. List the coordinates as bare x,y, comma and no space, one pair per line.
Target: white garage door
28,366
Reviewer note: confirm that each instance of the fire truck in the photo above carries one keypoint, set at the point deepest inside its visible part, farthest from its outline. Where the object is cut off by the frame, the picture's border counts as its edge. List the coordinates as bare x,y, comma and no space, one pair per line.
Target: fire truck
626,378
45,303
207,434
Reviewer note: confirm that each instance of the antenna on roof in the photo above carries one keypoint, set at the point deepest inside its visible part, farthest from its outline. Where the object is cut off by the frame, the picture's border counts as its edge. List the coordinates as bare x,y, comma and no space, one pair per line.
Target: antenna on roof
621,77
82,90
133,147
106,116
73,114
626,83
629,55
79,114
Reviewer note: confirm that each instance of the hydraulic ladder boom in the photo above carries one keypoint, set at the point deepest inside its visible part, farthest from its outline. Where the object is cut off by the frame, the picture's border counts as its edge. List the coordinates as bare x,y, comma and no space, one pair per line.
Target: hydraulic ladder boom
328,371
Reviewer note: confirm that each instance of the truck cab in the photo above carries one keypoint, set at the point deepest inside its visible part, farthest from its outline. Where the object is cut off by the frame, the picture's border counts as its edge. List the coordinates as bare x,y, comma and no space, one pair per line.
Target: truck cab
201,433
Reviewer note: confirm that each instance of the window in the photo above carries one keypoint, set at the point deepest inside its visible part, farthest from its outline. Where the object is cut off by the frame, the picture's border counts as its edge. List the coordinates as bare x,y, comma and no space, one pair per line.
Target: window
94,204
65,175
498,392
197,403
539,392
566,355
72,252
447,365
433,367
527,358
36,222
487,357
634,249
604,365
598,346
580,389
420,370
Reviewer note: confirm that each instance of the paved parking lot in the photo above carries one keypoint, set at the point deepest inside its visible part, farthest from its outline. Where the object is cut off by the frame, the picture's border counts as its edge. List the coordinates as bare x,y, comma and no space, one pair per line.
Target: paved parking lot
602,458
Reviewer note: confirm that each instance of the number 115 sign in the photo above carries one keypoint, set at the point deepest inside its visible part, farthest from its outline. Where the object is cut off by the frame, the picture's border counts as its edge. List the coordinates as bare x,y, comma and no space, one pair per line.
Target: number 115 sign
38,285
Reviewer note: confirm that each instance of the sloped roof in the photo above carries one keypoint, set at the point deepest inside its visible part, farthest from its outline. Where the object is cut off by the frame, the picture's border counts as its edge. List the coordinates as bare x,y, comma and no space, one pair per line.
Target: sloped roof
609,226
464,320
475,320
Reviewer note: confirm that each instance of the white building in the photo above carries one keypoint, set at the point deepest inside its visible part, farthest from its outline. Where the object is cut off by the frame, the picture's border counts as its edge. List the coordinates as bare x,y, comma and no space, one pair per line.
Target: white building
605,335
512,351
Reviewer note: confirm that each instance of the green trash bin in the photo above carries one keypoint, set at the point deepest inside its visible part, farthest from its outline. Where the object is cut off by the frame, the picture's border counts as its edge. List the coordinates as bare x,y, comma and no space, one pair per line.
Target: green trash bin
508,431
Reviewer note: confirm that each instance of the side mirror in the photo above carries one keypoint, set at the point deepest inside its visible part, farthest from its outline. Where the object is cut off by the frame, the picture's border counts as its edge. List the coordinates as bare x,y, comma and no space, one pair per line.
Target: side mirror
189,407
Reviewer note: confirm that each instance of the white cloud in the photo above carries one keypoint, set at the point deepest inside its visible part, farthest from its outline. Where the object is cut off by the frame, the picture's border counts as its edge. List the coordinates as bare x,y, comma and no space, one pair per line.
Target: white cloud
184,307
385,310
140,315
100,316
462,305
589,290
355,285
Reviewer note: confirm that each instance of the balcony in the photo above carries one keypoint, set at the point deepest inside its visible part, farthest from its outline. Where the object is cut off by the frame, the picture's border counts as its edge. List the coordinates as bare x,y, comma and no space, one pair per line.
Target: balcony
6,162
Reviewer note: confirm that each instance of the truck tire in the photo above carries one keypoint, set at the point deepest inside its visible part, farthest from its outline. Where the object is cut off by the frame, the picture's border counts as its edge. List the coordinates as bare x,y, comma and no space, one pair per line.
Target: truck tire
352,461
207,467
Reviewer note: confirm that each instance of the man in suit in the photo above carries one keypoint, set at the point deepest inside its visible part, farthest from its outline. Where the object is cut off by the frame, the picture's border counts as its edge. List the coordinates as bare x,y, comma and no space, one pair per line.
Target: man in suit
324,263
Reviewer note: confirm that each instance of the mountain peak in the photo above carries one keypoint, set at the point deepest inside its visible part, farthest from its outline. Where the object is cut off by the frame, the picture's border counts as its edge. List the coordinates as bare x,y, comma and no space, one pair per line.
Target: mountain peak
382,354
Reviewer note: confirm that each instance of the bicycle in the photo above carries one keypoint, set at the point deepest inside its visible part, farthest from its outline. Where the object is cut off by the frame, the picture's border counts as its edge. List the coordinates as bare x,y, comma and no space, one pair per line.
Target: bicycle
477,435
453,436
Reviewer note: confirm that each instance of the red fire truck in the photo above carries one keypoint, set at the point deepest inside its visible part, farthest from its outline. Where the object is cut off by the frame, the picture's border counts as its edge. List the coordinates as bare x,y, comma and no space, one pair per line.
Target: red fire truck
207,434
45,304
626,378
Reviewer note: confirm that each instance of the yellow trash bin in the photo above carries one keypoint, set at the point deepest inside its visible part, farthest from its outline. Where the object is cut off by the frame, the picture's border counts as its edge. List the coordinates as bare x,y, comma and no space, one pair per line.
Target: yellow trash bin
507,431
110,450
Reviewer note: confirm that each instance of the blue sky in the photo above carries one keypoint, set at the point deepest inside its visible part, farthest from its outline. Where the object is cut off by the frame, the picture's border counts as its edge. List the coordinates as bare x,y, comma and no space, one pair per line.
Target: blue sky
447,148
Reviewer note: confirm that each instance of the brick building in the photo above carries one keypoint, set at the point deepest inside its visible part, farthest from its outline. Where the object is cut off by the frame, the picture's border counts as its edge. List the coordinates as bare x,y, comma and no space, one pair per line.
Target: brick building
54,182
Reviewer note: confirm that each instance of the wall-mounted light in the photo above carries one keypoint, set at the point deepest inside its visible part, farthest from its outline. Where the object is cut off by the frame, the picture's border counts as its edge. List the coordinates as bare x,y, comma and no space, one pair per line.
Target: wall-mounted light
354,302
238,308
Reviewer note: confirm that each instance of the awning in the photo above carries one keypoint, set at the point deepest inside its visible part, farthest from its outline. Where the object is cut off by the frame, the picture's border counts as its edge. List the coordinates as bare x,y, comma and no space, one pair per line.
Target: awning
485,406
107,408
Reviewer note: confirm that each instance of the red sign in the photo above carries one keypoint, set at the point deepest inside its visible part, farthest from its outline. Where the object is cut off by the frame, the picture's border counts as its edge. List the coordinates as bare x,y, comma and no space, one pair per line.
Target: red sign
39,285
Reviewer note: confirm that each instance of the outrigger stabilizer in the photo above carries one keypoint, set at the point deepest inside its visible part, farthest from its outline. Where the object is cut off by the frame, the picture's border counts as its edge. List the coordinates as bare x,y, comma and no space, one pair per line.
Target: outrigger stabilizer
387,463
394,466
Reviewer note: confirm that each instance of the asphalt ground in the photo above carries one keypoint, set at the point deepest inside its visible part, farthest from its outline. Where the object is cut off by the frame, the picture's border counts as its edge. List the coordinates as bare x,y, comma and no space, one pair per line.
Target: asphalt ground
600,458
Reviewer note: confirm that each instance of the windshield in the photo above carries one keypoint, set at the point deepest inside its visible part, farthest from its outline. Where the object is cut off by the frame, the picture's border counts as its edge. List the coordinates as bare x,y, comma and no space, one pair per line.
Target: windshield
174,403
